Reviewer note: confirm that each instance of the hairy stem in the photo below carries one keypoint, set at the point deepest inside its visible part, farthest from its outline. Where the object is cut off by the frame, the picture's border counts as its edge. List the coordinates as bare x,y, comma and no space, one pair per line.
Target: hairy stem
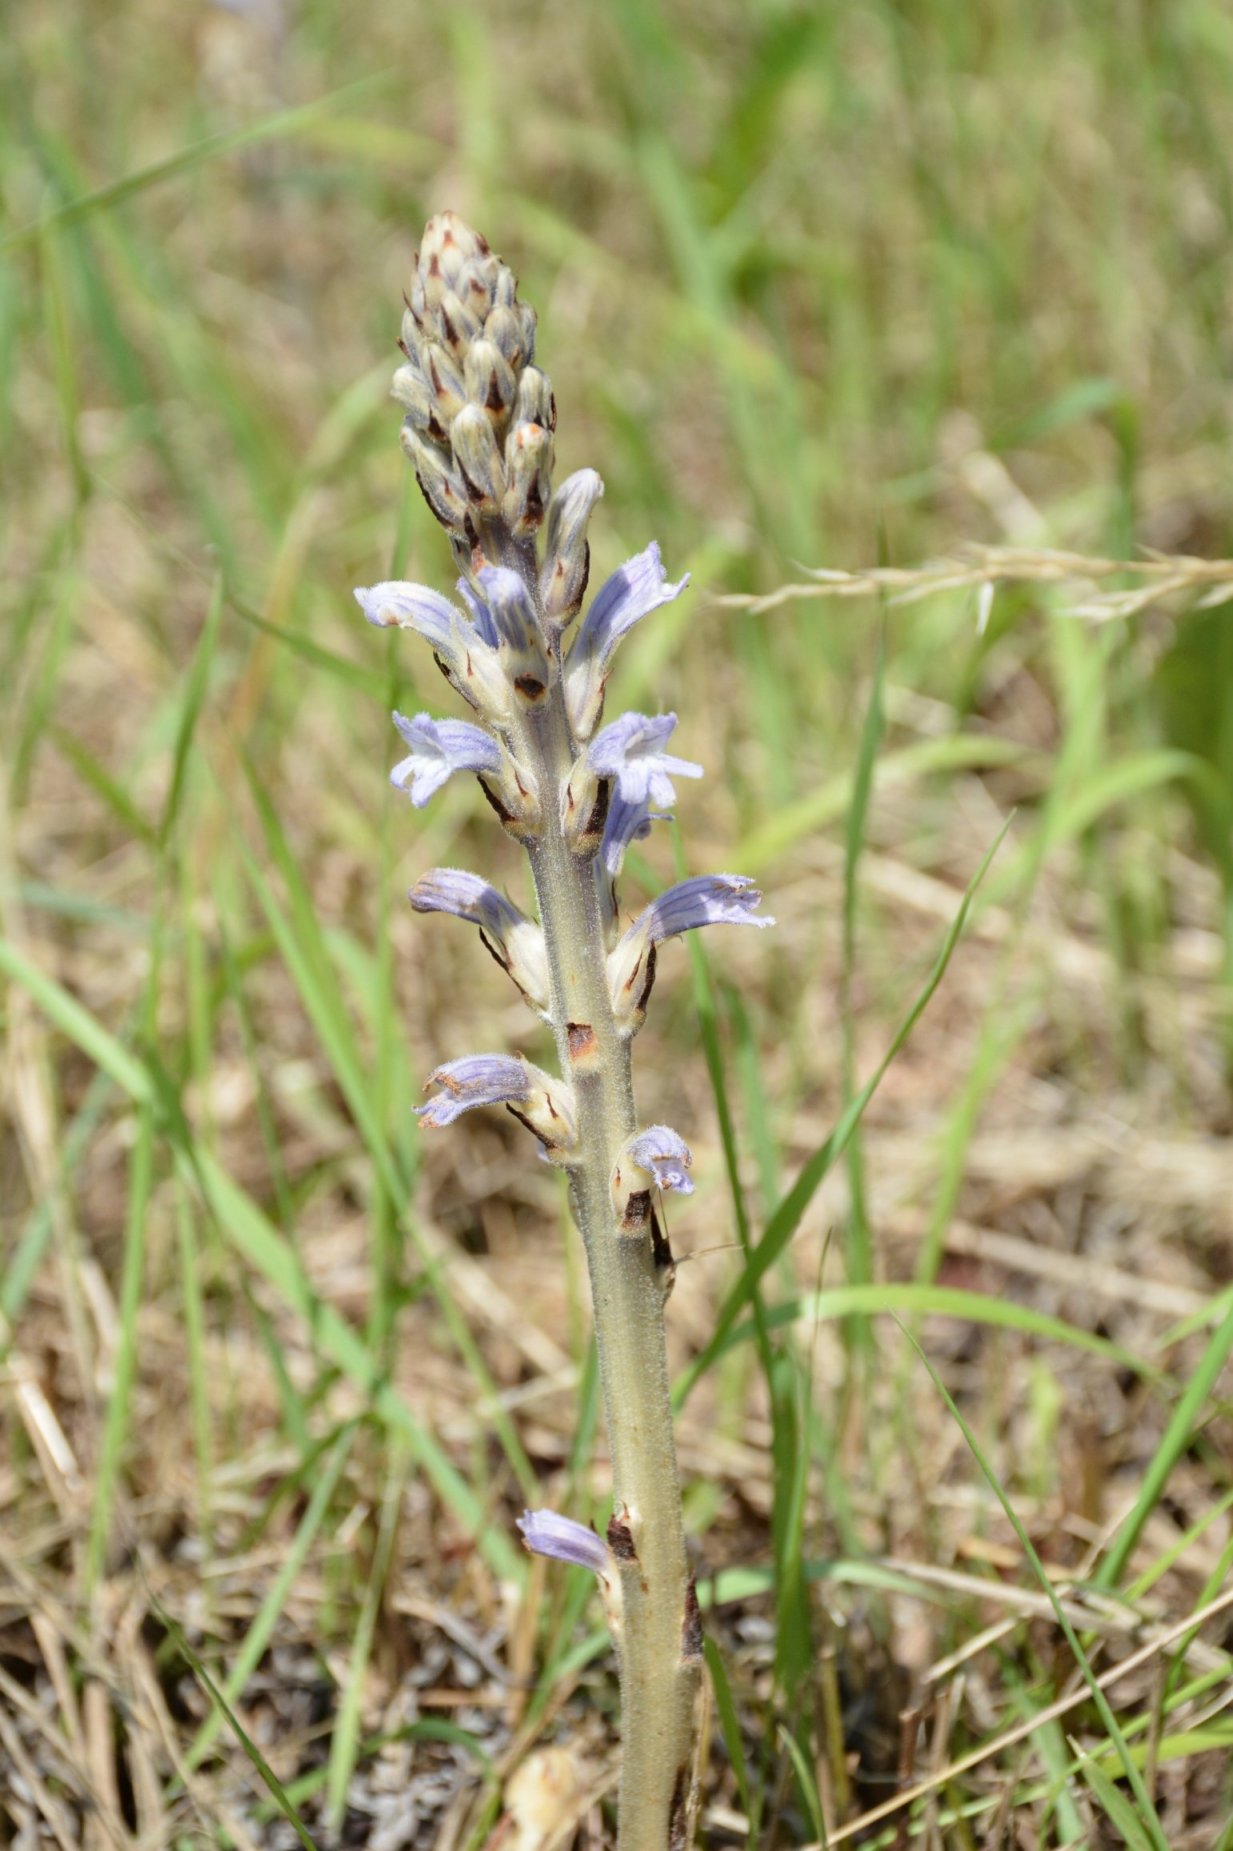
659,1663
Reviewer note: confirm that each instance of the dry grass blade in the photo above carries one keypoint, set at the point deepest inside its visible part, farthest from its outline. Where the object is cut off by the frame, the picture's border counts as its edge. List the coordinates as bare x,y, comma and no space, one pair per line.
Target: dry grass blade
1207,582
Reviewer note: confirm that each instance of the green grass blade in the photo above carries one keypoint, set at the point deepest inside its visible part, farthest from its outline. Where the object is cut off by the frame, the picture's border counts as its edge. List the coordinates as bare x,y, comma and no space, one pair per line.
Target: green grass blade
786,1219
223,1709
268,1614
841,1301
1147,1813
729,1723
195,684
288,122
344,1743
116,1423
1176,1438
244,1226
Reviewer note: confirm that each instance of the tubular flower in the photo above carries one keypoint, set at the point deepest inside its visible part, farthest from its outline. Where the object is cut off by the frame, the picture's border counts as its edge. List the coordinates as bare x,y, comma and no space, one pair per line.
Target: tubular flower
514,940
466,654
439,748
562,1539
707,899
630,751
544,1105
635,589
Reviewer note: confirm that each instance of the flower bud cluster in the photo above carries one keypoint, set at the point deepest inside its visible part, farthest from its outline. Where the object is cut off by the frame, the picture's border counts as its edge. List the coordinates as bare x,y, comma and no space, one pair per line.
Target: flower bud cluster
479,413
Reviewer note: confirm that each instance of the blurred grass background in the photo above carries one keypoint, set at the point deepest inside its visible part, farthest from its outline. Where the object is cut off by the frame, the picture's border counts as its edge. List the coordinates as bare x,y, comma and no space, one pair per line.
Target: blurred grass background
818,287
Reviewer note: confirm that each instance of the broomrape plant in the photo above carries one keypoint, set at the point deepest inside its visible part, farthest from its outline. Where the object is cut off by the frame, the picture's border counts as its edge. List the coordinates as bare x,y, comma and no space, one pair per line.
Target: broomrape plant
478,431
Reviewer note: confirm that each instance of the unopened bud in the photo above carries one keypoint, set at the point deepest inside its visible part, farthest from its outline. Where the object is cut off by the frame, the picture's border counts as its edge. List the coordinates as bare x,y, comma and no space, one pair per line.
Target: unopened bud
567,556
444,379
504,329
490,380
443,489
478,456
528,469
536,403
411,391
459,325
448,243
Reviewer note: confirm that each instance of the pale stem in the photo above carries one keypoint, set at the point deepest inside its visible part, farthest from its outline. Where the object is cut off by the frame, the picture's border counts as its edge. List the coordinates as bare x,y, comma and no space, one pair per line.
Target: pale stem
659,1680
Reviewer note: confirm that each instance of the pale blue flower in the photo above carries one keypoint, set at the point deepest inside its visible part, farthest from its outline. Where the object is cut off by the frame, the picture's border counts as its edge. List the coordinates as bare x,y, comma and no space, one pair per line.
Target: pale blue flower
546,1533
706,899
663,1154
633,591
476,1079
465,647
396,604
630,751
543,1104
514,940
509,605
625,823
438,749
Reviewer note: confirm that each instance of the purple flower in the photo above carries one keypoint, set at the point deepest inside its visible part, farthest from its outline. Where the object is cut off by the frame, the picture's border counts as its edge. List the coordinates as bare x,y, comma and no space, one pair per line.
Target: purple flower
564,1540
707,899
514,940
625,823
509,606
631,752
545,1106
634,590
438,749
476,1079
466,649
397,605
665,1156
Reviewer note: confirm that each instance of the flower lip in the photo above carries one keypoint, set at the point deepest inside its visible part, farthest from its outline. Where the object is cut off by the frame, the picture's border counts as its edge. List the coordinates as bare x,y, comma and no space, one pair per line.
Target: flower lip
438,749
466,896
476,1079
629,594
630,751
396,604
705,899
626,823
545,1532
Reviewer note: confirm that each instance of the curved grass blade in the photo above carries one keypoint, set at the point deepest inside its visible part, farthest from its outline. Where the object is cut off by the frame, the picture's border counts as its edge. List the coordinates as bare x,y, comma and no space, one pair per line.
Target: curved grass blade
786,1219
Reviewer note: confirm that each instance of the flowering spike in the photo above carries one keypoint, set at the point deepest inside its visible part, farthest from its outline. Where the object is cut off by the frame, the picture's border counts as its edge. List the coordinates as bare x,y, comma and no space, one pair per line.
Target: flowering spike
630,750
479,427
634,590
563,1540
